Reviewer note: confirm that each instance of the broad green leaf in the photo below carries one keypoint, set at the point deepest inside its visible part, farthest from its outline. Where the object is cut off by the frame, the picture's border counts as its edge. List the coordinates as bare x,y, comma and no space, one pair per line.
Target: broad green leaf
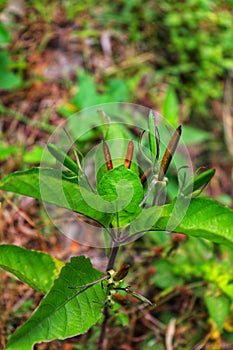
35,268
146,219
46,184
61,314
204,218
219,308
124,189
123,181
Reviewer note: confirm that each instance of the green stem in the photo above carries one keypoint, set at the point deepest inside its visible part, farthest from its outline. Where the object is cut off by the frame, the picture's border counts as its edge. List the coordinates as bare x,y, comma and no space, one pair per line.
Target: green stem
23,118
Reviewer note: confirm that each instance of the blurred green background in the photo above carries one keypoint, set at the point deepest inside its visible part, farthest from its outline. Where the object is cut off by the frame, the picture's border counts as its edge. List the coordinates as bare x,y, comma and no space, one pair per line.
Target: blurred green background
58,57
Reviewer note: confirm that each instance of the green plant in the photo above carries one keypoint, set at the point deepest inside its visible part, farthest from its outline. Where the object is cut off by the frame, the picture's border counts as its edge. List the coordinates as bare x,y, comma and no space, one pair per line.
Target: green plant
88,95
8,79
193,51
74,291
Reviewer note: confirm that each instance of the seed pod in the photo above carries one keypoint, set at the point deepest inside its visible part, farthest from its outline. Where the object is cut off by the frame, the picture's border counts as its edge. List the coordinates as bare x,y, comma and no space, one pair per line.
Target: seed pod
119,298
122,272
169,153
107,156
129,154
144,176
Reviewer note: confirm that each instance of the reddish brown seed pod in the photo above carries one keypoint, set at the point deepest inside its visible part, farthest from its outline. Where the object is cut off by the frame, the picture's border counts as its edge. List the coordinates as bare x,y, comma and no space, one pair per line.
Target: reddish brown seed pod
122,272
145,175
119,298
129,154
170,150
107,156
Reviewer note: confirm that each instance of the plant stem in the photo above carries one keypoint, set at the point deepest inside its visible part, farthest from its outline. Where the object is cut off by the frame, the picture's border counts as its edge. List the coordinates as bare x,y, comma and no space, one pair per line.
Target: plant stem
111,262
23,118
112,257
103,328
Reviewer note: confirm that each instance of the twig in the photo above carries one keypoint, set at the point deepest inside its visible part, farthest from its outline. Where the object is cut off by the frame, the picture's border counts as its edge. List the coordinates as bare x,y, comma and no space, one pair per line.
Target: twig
170,334
227,117
25,119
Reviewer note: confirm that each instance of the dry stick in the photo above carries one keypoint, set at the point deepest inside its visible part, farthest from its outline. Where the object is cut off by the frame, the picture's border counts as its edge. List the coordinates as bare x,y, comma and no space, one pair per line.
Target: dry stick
170,334
227,117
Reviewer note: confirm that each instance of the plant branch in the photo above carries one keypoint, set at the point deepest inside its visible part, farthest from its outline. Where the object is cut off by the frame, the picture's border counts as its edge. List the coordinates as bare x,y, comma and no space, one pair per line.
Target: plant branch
113,256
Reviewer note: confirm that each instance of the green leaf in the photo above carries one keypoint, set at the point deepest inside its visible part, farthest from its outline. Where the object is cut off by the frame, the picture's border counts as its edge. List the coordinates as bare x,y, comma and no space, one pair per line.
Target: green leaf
219,308
34,156
7,151
170,107
121,181
145,220
61,314
35,268
122,187
4,35
152,139
165,276
63,158
87,91
48,185
8,79
198,181
117,91
193,136
204,218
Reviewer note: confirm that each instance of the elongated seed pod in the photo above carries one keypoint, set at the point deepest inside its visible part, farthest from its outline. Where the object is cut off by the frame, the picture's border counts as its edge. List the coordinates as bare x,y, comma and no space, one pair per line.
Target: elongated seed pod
119,298
145,175
129,154
170,150
107,156
122,272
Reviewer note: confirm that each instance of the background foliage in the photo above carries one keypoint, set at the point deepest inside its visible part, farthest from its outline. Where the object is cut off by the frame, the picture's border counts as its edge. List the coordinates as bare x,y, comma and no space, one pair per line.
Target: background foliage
59,57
